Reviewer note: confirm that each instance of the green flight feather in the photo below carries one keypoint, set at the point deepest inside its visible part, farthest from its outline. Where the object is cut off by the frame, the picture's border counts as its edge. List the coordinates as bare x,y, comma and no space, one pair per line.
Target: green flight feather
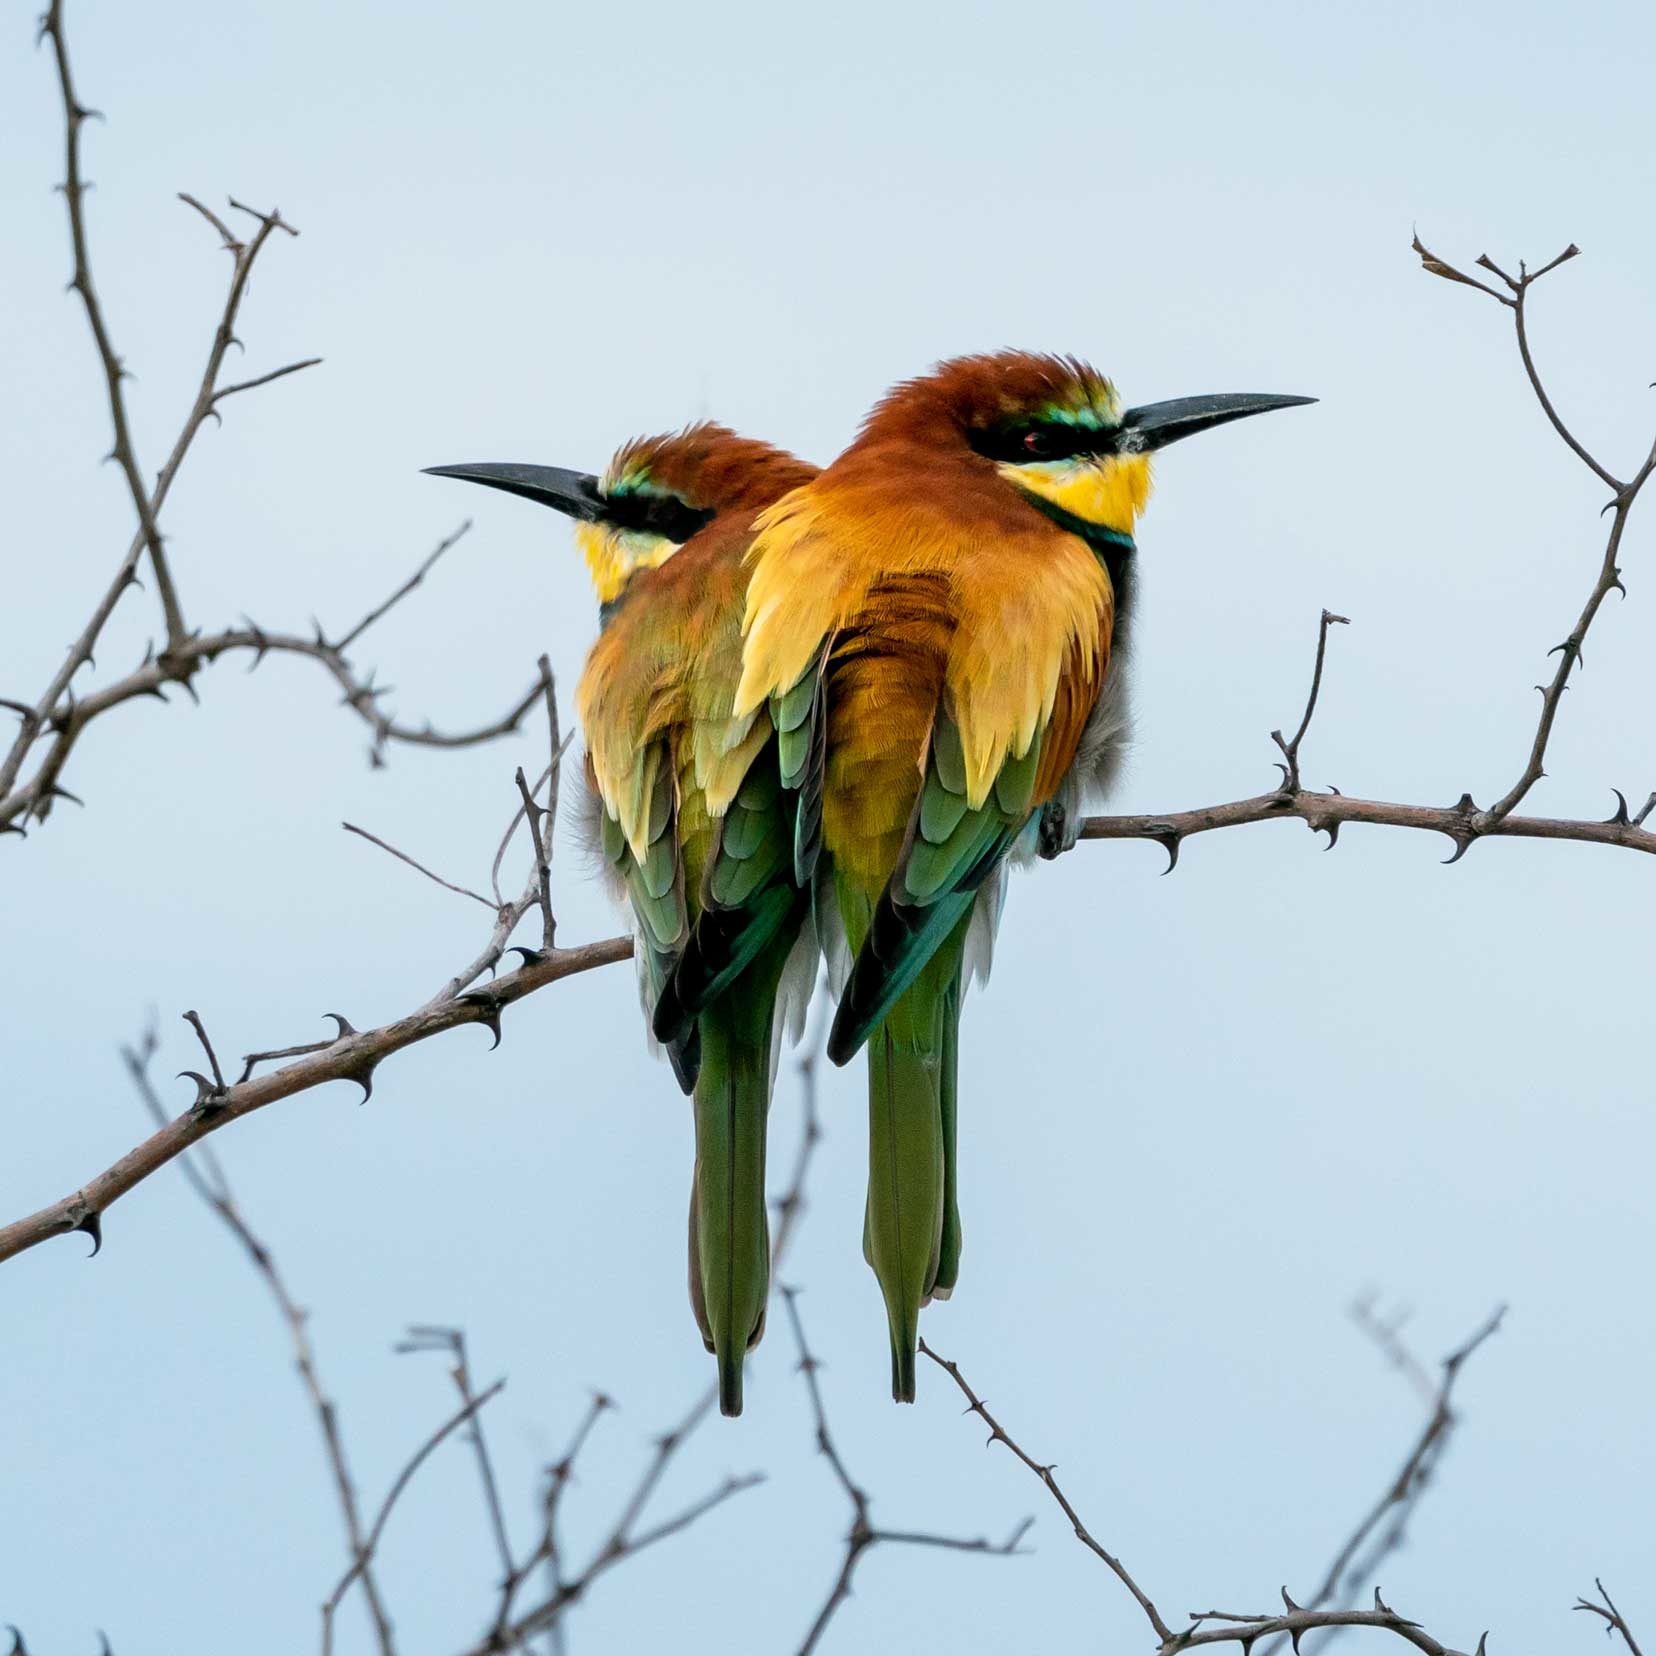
614,841
951,849
744,829
800,715
748,894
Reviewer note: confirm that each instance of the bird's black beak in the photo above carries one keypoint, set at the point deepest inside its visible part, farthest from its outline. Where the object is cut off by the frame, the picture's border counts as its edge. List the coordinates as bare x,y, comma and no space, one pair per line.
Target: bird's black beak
1157,424
573,493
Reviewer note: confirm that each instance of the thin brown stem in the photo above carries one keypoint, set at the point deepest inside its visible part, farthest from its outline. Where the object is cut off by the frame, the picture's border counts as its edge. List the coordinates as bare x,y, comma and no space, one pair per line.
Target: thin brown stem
1614,1621
862,1534
403,856
400,1483
74,188
1348,1571
380,611
213,1187
1290,749
998,1434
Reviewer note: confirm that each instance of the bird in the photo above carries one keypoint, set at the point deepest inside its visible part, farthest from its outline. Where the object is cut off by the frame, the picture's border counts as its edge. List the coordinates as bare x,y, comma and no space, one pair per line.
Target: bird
690,818
947,605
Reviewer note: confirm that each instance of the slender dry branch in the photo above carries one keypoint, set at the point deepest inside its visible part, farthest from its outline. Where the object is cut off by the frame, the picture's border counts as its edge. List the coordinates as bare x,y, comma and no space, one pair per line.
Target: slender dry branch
1623,497
1294,1622
863,1533
1290,749
510,1630
75,116
400,1483
211,1184
380,611
150,679
351,1056
426,1337
998,1434
403,856
1614,1621
1351,1569
56,718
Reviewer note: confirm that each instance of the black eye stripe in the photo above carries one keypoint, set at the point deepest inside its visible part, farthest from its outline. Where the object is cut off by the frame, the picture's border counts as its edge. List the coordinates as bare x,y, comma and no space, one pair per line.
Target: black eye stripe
649,514
1030,440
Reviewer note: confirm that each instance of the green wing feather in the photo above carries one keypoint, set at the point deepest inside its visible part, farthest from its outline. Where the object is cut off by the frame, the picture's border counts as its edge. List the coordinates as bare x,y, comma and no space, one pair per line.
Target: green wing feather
748,897
951,849
655,888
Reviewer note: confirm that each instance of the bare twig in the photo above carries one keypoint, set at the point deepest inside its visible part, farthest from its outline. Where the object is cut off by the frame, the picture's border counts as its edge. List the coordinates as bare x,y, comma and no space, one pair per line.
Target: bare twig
194,1020
55,706
1614,1621
1290,749
1624,495
401,1482
511,827
263,379
121,452
1350,1569
379,612
150,679
997,1434
624,1539
426,1337
863,1533
403,856
213,1187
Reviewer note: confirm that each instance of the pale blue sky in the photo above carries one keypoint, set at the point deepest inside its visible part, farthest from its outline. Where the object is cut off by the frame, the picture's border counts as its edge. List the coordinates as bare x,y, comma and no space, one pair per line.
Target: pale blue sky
1199,1113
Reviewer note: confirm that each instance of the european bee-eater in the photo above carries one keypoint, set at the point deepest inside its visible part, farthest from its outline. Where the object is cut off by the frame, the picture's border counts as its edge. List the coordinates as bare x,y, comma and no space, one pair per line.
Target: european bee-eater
691,816
949,597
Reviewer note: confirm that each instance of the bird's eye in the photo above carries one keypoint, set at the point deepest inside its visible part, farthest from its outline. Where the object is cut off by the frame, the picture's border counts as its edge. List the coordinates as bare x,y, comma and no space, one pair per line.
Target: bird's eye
1037,445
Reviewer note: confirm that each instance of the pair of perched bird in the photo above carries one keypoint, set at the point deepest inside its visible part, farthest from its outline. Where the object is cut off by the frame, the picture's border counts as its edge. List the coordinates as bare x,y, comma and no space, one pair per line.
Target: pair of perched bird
824,711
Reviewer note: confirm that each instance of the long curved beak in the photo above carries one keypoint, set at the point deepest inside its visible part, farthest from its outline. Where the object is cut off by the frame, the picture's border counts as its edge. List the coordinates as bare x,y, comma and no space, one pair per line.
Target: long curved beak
573,493
1155,425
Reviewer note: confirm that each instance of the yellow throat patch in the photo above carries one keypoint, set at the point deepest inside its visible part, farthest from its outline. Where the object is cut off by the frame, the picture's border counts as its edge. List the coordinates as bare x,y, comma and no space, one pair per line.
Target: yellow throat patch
1110,491
614,556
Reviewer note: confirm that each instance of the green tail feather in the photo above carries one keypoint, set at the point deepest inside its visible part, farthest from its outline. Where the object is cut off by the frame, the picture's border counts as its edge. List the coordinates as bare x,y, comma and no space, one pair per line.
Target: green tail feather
729,1234
948,1256
908,1220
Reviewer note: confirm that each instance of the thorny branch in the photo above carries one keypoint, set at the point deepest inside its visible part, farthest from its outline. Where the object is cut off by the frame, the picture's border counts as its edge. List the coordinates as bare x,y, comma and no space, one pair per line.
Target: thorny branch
1351,1568
210,1183
55,720
863,1533
352,1055
1293,1622
74,188
1623,496
998,1434
1463,822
